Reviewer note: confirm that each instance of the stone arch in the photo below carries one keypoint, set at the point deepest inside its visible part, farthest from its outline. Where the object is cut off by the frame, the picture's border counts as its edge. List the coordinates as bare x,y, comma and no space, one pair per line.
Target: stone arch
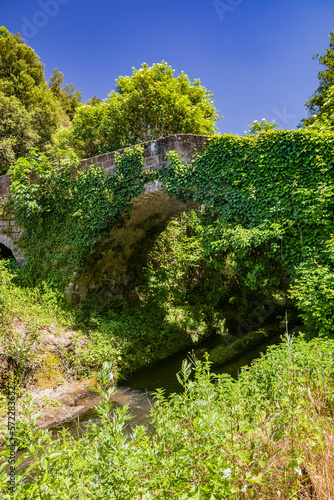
5,252
10,248
112,269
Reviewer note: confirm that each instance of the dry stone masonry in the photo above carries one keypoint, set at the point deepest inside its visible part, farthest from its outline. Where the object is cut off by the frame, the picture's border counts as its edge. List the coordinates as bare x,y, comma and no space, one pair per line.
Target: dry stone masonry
111,270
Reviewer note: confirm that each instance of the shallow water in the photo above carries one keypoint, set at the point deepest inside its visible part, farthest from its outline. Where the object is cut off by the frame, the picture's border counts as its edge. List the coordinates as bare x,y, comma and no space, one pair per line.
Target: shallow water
137,390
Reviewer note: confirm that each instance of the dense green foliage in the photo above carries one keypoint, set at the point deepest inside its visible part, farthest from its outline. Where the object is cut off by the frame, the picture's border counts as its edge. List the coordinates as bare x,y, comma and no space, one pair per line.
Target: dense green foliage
320,105
23,313
220,439
64,217
266,229
151,103
20,66
68,97
263,233
130,336
324,120
16,131
30,111
269,206
261,127
176,270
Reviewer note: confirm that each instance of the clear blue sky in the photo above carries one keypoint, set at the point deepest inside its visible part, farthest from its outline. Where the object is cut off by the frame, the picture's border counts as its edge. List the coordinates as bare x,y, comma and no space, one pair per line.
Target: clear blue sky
254,55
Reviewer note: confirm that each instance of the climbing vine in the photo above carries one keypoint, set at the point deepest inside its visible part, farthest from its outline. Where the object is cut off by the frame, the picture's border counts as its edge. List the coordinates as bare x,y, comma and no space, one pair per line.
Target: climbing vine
269,209
64,215
268,220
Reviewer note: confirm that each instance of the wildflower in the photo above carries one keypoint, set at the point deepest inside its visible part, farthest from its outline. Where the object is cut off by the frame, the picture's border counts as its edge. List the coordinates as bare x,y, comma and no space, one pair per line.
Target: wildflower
244,488
298,471
227,473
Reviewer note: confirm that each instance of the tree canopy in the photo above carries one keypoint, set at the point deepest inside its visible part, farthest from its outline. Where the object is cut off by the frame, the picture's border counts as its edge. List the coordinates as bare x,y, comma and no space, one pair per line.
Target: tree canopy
16,132
151,103
320,105
67,96
260,127
30,111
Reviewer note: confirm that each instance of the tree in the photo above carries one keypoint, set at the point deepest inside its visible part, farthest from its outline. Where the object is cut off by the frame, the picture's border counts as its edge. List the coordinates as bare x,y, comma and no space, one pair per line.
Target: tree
260,127
25,99
321,102
68,97
158,104
20,66
324,120
151,103
94,101
84,134
16,131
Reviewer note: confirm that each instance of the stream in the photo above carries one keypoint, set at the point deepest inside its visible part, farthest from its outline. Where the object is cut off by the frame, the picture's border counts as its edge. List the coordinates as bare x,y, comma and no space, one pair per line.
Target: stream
137,390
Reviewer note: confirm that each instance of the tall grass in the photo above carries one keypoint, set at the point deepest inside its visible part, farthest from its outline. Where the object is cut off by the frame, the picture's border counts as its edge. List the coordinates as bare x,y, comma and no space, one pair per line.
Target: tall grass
268,435
131,335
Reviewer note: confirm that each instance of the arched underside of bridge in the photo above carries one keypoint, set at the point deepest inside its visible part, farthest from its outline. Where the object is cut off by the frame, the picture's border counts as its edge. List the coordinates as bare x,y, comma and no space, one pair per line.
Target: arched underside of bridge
9,248
112,269
5,252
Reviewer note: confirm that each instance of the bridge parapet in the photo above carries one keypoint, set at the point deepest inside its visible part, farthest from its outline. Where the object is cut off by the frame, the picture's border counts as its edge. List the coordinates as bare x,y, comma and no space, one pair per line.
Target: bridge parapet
155,152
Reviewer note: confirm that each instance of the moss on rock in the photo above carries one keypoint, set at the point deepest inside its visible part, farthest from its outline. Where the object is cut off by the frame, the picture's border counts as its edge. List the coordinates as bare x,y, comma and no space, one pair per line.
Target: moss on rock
223,354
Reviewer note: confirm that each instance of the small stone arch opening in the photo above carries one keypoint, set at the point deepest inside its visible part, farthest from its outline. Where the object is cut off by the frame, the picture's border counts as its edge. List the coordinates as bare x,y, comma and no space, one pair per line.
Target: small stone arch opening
5,252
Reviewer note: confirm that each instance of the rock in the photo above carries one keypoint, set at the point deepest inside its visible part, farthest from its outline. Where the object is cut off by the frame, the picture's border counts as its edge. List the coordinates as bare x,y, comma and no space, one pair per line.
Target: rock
59,415
223,354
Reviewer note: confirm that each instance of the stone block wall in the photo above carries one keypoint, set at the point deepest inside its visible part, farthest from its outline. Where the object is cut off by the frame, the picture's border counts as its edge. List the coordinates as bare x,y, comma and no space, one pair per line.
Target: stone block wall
154,157
155,152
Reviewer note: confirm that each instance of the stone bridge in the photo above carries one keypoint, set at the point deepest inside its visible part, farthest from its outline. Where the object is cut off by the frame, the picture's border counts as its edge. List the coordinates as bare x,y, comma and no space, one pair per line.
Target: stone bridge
110,272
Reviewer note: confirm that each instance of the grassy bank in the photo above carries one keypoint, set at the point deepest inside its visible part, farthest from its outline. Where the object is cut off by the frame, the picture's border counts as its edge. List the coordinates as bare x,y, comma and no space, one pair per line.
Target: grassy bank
53,344
268,435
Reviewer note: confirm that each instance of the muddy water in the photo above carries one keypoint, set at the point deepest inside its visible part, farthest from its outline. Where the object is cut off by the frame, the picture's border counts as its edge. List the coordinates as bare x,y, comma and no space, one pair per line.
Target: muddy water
137,391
